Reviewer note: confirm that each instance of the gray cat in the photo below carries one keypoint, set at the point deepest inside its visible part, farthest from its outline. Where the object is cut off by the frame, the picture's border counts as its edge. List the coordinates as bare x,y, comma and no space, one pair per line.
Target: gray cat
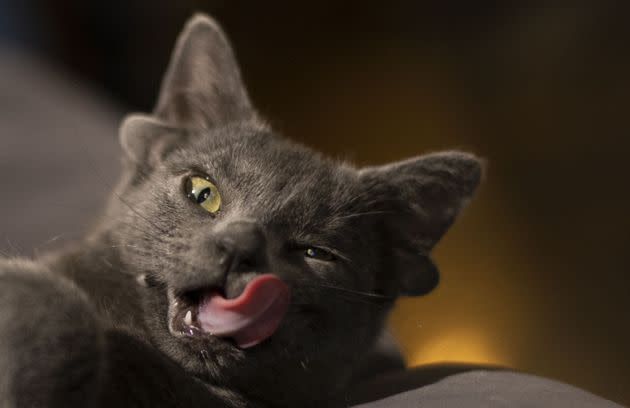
232,268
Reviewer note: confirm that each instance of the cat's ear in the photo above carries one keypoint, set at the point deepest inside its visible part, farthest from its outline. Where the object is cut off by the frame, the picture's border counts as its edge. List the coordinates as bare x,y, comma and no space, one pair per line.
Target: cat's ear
146,140
202,86
420,198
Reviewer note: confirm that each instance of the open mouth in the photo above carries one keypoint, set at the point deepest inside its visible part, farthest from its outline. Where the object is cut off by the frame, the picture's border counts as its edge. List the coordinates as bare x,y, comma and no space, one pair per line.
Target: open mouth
248,319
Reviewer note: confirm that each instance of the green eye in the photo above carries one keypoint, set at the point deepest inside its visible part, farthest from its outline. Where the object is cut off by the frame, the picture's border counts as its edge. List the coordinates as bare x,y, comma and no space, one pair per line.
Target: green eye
201,191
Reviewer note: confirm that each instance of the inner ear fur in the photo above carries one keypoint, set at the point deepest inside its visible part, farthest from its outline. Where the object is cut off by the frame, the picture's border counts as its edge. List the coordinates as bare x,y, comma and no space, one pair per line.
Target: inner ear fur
420,199
146,140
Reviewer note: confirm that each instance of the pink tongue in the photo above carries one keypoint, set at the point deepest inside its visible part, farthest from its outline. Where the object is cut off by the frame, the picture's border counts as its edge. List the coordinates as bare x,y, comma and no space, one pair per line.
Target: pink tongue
250,318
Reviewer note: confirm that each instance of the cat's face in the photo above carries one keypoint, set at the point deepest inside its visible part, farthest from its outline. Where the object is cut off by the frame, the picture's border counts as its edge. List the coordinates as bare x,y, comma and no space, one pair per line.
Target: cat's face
269,269
310,227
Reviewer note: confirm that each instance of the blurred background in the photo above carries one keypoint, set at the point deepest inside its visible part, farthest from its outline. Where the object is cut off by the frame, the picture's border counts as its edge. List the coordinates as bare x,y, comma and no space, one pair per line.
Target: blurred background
536,272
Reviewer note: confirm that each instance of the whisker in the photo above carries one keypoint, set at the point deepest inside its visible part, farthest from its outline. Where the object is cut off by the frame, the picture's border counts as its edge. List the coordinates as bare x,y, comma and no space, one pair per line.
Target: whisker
14,248
356,292
361,214
136,212
353,294
148,233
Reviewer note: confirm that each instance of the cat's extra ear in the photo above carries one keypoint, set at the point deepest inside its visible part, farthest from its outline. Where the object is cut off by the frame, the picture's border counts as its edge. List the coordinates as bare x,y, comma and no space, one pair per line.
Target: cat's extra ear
202,87
420,199
146,140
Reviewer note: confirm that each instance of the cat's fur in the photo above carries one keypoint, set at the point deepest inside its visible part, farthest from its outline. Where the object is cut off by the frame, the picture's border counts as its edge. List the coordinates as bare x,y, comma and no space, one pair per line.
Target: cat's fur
88,326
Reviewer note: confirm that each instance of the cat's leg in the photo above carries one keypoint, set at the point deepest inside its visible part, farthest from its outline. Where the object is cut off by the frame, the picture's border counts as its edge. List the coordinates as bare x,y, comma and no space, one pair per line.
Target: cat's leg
51,348
54,353
141,376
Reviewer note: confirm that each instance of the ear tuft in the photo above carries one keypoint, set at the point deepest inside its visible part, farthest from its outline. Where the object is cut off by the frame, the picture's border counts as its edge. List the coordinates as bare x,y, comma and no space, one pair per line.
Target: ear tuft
460,170
202,87
200,19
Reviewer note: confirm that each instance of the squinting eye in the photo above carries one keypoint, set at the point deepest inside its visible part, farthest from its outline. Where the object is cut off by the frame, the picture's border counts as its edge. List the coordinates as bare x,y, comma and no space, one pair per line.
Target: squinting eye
201,191
318,253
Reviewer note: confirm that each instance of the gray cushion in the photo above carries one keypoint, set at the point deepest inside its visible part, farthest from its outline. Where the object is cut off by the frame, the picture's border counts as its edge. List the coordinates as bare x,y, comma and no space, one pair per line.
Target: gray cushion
58,155
468,386
483,388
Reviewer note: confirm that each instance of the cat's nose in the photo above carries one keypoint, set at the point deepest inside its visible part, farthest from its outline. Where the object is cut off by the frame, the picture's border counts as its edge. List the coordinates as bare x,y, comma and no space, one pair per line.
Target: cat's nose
240,247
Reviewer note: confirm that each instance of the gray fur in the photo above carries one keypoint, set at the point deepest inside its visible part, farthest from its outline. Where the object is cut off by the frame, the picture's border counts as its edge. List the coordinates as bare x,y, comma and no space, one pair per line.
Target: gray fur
202,86
101,307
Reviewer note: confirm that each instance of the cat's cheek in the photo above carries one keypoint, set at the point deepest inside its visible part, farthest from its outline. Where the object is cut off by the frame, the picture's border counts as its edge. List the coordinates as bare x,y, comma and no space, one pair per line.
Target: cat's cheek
321,269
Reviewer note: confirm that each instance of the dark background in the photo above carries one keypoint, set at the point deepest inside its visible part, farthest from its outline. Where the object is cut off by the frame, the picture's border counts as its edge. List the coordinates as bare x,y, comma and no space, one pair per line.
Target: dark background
536,271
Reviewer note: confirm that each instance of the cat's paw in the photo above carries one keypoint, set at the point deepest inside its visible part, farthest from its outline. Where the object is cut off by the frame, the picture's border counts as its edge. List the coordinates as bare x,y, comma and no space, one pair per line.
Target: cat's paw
50,342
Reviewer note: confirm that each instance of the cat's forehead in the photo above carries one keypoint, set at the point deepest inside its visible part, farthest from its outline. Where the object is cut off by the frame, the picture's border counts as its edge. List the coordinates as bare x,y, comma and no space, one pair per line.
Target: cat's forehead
257,166
241,150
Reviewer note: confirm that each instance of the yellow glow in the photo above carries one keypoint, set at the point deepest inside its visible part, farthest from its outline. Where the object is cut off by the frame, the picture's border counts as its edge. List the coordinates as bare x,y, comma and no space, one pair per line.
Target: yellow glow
461,345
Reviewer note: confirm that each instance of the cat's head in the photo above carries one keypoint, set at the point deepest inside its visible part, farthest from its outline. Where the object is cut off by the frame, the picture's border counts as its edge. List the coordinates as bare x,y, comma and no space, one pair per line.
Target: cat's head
269,268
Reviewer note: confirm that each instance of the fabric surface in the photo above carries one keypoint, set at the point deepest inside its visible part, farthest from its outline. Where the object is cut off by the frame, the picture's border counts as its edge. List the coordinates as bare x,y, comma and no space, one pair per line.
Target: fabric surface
489,389
58,160
59,155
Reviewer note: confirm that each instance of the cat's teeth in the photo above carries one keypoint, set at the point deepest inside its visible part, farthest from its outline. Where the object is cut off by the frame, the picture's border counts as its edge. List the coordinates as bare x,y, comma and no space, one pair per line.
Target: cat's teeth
188,318
142,280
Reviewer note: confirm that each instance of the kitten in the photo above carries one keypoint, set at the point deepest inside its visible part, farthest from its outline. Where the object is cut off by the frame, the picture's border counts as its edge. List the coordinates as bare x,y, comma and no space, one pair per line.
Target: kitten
231,268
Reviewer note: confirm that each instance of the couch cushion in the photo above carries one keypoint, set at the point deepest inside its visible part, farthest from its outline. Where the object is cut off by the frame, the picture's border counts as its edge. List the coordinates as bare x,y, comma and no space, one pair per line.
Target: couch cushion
59,155
473,388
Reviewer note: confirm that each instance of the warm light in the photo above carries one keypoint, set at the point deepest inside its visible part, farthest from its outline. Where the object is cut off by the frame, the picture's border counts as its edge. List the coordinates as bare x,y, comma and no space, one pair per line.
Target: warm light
460,345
